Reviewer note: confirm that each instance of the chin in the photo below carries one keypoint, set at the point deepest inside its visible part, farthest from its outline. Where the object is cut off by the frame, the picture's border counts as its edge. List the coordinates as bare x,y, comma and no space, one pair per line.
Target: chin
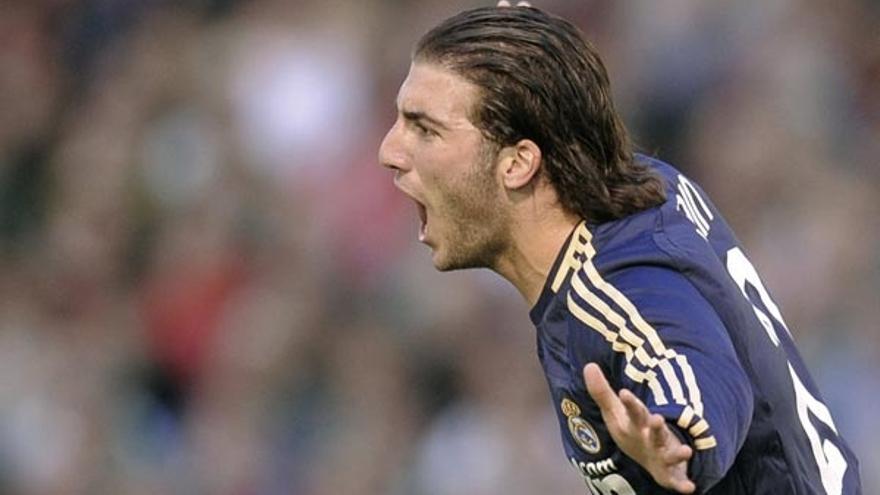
441,263
451,263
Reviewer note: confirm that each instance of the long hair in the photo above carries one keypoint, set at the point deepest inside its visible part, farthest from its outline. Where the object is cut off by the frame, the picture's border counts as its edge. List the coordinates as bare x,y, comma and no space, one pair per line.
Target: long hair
540,80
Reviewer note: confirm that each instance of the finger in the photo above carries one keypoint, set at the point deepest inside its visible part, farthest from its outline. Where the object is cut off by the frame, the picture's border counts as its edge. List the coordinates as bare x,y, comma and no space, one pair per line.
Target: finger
503,3
677,478
636,409
523,4
678,454
658,432
684,485
601,391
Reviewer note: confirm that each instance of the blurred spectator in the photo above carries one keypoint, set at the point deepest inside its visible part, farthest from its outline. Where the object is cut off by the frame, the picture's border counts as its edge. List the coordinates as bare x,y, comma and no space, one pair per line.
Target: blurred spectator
211,287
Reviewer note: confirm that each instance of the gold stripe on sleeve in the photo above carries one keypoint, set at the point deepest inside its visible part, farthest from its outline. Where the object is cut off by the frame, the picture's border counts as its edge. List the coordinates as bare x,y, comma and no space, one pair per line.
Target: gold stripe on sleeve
631,371
705,443
699,428
627,334
687,415
690,379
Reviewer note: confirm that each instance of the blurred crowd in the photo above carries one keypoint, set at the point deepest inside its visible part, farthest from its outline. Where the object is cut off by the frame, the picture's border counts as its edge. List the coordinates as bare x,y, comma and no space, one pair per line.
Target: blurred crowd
209,286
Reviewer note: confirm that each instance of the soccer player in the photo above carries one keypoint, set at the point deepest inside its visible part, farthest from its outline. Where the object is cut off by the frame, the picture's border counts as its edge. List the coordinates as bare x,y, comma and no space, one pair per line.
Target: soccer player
670,367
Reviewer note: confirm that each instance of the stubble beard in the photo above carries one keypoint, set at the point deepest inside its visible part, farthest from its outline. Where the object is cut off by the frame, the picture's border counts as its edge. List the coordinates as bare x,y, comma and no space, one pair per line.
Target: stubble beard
479,223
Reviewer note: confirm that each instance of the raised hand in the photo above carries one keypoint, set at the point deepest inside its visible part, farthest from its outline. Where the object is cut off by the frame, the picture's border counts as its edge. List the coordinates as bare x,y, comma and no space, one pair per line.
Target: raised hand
642,436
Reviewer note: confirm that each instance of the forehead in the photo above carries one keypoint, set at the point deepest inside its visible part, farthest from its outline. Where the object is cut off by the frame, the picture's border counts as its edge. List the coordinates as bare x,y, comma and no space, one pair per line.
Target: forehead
438,92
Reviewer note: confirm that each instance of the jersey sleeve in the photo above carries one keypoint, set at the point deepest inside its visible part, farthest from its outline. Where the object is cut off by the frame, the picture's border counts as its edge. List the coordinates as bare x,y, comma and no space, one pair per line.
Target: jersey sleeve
662,340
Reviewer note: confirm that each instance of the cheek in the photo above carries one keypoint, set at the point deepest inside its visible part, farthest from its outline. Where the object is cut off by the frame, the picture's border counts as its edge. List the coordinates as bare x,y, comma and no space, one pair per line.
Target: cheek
446,170
449,166
433,174
472,197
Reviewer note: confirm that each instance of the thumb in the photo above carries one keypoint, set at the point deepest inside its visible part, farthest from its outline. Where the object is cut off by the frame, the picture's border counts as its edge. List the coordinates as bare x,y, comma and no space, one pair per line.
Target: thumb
599,388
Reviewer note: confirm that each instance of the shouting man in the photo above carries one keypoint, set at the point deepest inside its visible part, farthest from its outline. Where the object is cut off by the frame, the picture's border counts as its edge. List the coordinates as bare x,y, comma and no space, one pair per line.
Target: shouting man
669,365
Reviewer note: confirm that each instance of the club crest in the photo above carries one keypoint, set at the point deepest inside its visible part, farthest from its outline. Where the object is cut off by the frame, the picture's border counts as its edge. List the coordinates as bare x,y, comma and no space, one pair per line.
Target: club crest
581,431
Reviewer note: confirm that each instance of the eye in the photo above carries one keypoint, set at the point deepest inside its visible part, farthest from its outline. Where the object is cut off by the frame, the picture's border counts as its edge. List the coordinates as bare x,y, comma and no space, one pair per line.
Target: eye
422,130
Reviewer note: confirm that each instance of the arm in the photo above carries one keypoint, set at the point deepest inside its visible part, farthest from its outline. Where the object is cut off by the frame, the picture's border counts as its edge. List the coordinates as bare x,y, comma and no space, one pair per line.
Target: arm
673,394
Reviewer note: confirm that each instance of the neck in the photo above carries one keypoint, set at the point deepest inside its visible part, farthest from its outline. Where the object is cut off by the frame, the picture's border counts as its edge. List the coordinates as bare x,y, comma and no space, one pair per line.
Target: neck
535,243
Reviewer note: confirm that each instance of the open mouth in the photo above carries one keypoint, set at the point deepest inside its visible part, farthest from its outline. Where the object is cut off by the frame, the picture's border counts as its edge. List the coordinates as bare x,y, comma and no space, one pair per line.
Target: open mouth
423,217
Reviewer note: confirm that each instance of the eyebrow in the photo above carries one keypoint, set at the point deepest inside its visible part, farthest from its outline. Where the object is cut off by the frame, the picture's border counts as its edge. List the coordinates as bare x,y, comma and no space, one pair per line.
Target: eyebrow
416,115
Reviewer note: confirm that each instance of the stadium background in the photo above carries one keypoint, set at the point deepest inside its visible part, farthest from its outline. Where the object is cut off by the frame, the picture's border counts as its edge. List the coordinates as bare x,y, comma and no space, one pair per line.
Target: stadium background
210,287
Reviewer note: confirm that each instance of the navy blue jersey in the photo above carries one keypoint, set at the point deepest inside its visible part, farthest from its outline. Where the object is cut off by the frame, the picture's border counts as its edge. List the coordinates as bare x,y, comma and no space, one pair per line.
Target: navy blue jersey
668,305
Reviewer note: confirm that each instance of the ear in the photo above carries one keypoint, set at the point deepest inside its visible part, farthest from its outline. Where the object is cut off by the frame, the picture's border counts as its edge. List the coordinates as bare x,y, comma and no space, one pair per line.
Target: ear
519,164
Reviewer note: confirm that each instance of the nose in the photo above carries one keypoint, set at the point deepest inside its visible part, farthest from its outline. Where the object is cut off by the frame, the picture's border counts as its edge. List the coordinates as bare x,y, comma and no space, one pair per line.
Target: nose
391,152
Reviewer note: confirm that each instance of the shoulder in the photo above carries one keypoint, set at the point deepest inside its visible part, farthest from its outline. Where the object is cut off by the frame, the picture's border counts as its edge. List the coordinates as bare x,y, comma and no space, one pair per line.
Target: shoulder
655,293
619,304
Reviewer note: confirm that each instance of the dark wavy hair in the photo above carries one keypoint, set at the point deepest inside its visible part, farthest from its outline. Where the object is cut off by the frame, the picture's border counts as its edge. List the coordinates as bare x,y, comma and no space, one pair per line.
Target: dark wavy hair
540,80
